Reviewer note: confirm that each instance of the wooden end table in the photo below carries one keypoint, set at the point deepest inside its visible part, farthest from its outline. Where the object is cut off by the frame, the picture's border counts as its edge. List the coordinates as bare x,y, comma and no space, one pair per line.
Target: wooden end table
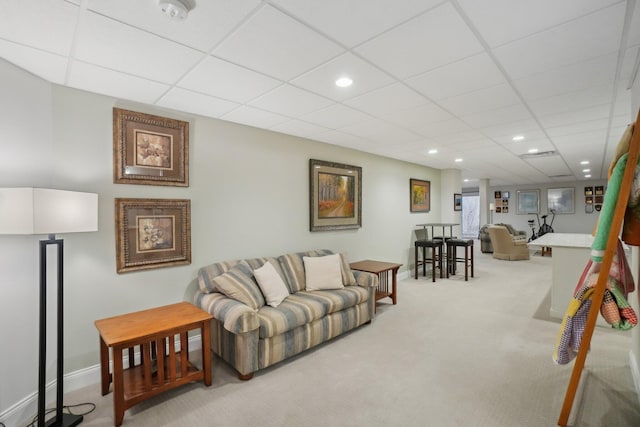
383,270
153,331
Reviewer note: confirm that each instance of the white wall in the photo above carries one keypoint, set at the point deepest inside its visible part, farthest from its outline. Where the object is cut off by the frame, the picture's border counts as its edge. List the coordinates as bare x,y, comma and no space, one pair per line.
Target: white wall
249,197
578,222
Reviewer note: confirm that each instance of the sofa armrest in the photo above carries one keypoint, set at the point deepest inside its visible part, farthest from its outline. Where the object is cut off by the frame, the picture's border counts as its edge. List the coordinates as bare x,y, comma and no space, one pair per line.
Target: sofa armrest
237,318
520,242
365,279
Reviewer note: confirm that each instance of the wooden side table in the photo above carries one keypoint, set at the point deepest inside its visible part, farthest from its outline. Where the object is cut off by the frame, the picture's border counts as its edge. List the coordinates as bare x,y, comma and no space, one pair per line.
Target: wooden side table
383,270
152,331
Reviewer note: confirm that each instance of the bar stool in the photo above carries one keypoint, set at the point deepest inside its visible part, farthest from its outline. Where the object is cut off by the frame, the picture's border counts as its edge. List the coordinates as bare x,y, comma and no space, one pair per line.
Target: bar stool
436,254
452,256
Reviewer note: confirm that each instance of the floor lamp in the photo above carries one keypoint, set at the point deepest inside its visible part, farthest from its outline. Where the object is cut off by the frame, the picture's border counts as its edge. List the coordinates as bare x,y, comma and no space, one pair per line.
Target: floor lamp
492,207
46,211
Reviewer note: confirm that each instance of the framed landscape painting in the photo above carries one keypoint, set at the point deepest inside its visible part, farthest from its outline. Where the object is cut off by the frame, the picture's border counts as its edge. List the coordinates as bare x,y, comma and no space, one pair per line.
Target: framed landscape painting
420,195
152,233
561,200
149,149
335,196
528,202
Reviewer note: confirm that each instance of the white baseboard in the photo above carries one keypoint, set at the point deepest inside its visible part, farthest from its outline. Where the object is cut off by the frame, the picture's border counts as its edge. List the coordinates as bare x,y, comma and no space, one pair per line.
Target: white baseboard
23,411
635,372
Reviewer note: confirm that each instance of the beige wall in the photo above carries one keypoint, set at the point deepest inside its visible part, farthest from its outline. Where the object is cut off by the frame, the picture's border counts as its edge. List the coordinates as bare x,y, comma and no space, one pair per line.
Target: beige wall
249,197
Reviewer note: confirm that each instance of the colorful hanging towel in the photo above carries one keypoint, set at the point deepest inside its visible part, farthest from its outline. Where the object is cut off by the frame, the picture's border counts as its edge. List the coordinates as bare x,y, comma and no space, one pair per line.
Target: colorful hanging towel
614,309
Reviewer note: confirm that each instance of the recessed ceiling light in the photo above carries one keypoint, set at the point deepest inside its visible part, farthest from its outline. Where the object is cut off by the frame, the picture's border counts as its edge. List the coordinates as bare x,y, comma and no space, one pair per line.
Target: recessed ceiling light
176,9
518,138
587,176
584,162
586,170
458,160
344,82
533,150
433,151
466,180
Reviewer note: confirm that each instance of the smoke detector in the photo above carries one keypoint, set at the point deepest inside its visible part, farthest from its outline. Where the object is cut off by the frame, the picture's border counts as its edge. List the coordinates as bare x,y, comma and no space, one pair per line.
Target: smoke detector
175,9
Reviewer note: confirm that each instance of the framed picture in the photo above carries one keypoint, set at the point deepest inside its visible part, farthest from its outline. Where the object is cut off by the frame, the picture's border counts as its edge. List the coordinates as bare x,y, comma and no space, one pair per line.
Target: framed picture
149,149
497,195
335,196
528,202
561,200
505,194
152,233
420,195
457,201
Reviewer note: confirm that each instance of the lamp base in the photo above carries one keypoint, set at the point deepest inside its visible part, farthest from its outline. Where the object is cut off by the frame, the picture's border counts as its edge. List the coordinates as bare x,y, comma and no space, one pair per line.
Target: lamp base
68,420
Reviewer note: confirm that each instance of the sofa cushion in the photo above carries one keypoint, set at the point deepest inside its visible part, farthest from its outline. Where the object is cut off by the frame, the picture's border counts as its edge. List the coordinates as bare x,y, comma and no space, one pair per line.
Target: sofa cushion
293,269
238,283
339,299
323,272
296,310
210,272
271,284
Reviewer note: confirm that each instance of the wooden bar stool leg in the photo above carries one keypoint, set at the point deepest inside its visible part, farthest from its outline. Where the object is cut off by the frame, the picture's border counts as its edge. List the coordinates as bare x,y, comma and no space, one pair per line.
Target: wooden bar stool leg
471,259
433,263
466,263
415,260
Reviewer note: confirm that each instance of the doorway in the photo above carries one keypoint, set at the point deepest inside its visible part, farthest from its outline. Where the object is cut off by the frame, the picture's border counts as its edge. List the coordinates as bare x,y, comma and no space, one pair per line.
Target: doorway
470,216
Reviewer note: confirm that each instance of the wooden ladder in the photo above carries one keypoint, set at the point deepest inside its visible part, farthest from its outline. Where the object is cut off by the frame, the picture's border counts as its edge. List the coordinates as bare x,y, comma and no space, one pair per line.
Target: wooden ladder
598,294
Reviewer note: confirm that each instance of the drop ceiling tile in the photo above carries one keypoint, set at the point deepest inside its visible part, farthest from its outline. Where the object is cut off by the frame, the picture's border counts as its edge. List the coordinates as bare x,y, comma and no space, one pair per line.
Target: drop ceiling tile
576,116
418,118
336,17
132,51
196,103
550,166
472,135
222,79
112,83
336,116
428,41
504,133
591,36
569,78
290,101
343,139
43,64
455,79
519,148
43,25
445,127
519,18
578,100
205,26
321,80
499,116
277,45
387,100
381,132
634,28
489,98
254,117
576,127
299,128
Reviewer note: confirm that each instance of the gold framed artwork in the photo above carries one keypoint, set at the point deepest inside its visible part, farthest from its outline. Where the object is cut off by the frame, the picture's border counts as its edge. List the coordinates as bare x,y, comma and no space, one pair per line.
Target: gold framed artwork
150,149
152,233
420,195
335,196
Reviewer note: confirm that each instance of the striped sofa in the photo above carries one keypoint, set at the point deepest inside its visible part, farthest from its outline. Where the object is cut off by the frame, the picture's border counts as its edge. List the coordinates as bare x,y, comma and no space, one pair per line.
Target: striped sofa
250,338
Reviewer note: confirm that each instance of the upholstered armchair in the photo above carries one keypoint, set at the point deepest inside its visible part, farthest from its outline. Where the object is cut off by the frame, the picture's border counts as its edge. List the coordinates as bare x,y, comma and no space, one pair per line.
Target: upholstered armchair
485,239
505,246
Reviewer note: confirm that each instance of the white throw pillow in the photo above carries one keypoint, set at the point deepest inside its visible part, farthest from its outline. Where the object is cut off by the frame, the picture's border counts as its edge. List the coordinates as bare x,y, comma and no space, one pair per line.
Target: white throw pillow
323,272
271,284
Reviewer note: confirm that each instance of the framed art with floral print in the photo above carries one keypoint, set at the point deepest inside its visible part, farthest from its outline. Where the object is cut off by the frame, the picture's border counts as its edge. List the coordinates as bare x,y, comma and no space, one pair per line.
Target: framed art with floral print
150,149
152,233
335,196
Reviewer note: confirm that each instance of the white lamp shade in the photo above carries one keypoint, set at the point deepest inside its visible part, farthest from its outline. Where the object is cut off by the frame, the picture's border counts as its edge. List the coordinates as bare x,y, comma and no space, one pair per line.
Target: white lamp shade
46,211
492,206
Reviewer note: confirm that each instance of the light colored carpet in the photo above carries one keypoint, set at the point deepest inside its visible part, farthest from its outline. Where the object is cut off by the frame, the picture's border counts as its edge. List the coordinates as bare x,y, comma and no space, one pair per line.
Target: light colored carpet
450,353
